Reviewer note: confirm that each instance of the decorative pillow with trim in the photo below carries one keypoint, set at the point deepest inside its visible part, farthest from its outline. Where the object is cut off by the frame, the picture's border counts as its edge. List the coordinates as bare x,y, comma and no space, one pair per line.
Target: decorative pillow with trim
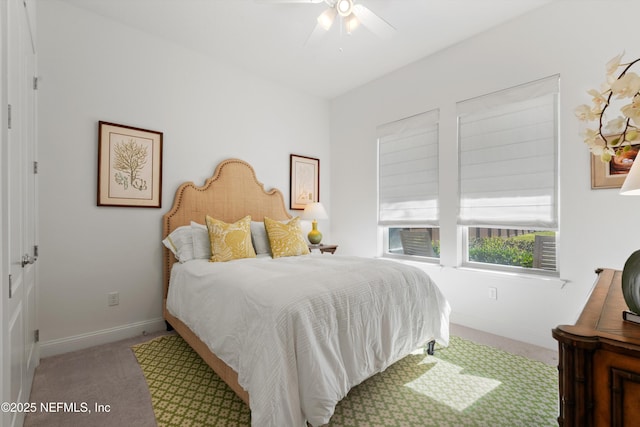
180,243
286,239
230,241
201,243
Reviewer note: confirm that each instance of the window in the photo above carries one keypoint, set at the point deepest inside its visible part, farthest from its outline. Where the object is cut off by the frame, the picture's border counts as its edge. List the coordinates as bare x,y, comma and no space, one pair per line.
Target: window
408,185
508,176
513,248
414,241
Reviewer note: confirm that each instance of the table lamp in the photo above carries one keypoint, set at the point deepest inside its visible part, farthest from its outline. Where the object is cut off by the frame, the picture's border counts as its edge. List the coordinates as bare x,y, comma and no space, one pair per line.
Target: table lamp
314,211
631,270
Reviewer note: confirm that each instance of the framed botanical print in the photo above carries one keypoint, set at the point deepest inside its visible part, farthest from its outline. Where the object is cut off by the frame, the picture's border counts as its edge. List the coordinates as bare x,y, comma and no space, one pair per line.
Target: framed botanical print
613,173
129,166
305,181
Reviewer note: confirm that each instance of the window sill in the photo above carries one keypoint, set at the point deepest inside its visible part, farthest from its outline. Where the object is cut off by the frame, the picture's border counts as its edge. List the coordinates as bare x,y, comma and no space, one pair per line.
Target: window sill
549,277
412,258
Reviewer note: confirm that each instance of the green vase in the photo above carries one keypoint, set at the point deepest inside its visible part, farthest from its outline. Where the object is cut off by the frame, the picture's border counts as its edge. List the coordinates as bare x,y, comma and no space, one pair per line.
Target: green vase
631,282
314,236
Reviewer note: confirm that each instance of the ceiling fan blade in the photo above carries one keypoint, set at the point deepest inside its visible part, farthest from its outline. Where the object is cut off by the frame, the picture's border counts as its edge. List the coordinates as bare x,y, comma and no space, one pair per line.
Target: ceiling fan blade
373,22
315,35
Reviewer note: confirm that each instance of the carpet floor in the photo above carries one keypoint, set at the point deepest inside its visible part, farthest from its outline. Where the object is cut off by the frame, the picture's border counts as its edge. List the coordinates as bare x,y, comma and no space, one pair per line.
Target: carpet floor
464,384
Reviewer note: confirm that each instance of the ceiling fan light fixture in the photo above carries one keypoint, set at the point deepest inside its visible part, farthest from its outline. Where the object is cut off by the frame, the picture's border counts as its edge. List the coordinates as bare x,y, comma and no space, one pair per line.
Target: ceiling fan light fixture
325,20
351,23
344,7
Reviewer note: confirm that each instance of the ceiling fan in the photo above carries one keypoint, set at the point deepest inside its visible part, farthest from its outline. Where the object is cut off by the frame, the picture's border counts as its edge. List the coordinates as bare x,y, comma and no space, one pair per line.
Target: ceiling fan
352,15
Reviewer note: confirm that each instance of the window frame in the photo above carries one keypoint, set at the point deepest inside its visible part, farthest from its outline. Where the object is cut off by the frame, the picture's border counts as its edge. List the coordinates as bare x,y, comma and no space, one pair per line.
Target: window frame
386,253
429,121
514,269
460,245
465,225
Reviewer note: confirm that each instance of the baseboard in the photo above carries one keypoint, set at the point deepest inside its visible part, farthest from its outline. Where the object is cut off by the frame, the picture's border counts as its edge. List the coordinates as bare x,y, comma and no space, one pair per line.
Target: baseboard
104,336
489,326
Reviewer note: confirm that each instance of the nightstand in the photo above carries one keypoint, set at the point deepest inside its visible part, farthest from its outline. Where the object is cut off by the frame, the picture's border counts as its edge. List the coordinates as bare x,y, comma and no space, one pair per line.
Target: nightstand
324,248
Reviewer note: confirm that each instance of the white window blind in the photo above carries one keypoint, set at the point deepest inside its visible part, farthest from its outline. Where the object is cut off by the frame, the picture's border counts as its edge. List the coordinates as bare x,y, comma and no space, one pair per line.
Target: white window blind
408,170
508,157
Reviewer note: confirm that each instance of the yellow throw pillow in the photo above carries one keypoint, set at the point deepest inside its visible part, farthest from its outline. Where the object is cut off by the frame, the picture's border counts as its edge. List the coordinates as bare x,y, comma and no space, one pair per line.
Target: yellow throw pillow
230,241
286,239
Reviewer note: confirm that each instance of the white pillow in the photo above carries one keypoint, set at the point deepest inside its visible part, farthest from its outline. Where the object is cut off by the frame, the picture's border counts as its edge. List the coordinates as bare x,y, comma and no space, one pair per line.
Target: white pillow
260,238
180,243
201,243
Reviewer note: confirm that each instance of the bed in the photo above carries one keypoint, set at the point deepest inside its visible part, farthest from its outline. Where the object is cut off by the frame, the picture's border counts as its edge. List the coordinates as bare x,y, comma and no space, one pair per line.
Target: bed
284,332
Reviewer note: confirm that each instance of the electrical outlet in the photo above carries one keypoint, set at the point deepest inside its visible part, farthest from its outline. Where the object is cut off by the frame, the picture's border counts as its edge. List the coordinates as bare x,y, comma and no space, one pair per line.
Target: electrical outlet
113,298
493,293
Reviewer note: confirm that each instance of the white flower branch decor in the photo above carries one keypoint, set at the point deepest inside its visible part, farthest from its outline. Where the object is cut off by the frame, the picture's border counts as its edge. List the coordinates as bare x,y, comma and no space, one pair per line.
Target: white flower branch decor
613,136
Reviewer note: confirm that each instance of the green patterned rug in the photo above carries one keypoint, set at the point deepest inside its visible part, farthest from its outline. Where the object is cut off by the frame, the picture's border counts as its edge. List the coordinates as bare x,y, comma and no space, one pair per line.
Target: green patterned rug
465,384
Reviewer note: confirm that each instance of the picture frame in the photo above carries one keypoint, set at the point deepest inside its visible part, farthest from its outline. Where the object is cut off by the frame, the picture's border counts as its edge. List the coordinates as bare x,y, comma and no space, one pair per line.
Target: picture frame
304,180
129,166
612,174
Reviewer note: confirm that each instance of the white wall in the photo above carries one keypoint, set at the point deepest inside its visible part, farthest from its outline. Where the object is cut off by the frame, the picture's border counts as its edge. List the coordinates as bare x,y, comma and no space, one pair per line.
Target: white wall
597,226
94,69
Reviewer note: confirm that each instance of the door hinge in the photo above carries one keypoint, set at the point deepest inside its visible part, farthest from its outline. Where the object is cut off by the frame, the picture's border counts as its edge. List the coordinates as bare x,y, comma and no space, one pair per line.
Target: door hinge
35,83
10,285
36,335
35,167
9,116
35,251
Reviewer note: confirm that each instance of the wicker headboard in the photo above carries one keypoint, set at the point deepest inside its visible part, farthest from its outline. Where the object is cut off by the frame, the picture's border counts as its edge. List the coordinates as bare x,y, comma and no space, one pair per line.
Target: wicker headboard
230,194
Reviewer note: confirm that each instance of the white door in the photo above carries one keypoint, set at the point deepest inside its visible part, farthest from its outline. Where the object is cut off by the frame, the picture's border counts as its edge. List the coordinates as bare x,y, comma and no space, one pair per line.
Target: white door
19,324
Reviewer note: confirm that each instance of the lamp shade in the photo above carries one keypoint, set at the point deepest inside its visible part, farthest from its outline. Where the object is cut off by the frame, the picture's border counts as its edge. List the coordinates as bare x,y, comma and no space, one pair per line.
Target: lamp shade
631,185
314,211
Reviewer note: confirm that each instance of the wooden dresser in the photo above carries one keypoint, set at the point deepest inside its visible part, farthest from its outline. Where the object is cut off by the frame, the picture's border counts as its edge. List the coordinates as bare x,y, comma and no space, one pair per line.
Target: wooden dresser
599,361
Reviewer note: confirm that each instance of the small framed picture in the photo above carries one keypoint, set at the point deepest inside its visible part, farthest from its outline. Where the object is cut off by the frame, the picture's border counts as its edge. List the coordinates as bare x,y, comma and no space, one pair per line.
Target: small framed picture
612,174
129,166
305,181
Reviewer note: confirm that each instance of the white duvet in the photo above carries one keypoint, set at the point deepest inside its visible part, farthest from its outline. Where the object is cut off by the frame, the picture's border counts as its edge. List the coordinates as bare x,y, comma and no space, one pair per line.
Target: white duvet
301,331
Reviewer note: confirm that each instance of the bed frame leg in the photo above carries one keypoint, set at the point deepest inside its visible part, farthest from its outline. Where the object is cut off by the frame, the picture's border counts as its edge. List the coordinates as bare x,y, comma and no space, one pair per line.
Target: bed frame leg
431,347
169,327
